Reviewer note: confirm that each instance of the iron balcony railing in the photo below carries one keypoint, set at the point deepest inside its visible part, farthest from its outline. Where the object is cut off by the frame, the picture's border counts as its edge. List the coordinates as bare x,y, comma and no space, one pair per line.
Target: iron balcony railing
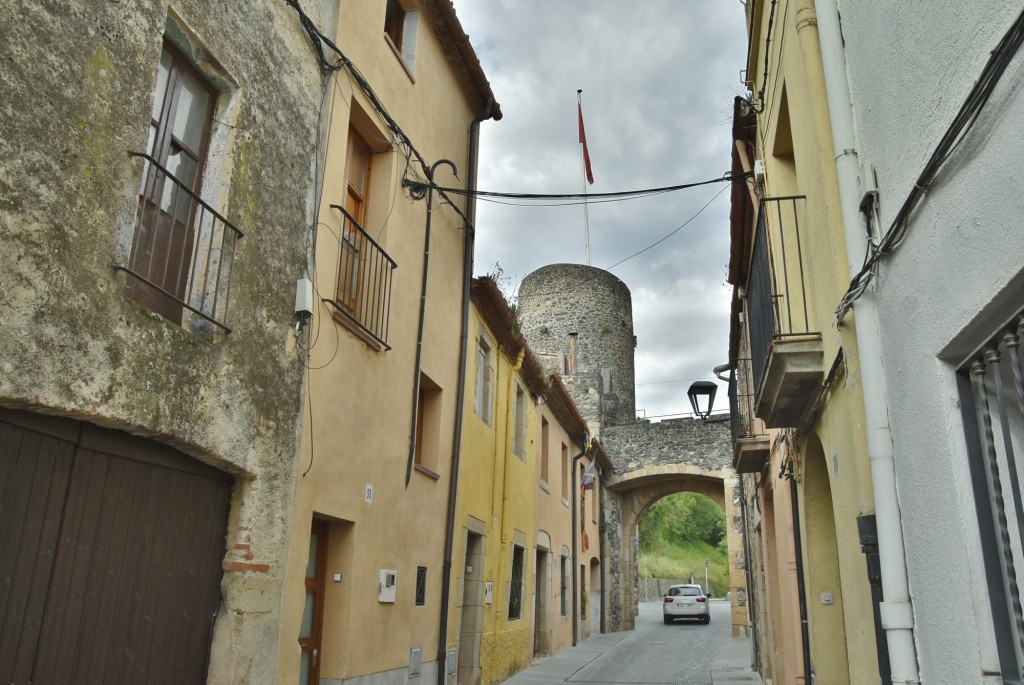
182,250
991,388
776,287
741,401
365,271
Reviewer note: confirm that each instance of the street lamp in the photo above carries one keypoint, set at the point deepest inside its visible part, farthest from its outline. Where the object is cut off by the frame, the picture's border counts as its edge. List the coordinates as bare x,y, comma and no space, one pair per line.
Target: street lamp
698,392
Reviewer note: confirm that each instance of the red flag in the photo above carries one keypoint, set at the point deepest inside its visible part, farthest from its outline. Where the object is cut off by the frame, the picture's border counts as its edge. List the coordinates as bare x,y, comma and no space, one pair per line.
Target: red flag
586,152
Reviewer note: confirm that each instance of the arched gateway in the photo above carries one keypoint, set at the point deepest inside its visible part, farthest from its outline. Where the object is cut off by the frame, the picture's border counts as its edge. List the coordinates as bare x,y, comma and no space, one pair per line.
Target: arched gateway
579,322
651,461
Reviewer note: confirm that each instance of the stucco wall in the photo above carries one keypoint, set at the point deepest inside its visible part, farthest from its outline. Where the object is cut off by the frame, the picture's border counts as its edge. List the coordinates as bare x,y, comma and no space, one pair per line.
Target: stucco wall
963,255
79,85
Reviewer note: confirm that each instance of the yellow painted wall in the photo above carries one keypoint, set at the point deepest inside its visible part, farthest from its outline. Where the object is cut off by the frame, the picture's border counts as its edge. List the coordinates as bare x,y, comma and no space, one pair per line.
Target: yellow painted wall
497,487
357,410
795,144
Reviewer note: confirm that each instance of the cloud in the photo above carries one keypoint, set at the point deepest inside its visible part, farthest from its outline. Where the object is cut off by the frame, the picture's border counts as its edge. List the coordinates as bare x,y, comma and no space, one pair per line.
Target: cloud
658,78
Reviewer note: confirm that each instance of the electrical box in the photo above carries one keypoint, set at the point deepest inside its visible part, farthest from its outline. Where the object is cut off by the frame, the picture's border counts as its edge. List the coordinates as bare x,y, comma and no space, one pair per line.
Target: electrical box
489,592
304,296
759,170
826,598
387,591
451,662
415,661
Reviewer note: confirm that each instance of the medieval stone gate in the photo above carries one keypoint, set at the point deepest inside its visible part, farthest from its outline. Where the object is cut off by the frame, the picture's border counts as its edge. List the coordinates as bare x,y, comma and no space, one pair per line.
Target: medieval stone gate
579,322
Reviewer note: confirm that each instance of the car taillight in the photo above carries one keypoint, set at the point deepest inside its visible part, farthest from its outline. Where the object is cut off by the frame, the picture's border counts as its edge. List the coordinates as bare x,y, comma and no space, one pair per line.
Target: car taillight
668,600
702,599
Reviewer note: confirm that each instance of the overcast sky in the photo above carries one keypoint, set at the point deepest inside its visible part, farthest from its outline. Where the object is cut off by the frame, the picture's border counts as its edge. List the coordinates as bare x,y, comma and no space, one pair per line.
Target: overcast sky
658,80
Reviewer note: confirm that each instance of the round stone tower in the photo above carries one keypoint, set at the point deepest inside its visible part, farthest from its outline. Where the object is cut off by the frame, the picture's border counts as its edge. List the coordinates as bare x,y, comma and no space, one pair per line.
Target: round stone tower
578,320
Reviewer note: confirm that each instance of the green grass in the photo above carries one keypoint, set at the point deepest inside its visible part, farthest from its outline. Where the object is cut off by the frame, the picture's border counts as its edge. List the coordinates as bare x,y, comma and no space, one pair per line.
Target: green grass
677,560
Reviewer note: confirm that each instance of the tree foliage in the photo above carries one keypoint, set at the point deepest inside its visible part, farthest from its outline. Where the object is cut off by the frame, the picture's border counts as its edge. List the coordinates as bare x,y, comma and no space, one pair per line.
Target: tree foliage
683,517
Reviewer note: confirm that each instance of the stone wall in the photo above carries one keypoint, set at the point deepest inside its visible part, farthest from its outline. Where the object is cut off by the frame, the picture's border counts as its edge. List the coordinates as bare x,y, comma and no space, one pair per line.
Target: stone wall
560,299
643,445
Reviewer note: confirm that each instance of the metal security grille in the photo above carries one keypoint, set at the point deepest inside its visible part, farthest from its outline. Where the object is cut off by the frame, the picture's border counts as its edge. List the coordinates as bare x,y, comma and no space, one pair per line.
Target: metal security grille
992,396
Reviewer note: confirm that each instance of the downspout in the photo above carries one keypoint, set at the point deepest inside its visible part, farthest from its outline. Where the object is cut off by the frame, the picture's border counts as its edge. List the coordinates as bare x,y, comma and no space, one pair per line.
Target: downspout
460,393
600,553
751,603
801,587
575,548
896,609
423,311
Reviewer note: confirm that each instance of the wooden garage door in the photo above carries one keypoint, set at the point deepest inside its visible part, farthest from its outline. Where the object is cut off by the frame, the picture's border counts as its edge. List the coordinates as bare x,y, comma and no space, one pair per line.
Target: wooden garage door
110,553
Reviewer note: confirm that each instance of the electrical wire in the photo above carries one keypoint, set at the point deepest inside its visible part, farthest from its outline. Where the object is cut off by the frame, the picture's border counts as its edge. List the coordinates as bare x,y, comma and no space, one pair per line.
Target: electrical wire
954,136
618,195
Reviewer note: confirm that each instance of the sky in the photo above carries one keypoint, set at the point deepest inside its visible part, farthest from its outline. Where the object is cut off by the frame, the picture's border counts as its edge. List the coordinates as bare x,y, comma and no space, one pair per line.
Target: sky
658,80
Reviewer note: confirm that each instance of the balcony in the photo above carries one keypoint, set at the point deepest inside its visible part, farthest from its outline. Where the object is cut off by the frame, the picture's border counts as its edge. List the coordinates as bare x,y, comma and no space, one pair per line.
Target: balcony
363,297
786,351
750,443
182,251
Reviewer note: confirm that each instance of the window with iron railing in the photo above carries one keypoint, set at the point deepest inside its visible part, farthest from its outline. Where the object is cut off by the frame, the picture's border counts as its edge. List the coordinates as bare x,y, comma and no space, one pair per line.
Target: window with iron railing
777,298
364,280
992,399
182,249
741,399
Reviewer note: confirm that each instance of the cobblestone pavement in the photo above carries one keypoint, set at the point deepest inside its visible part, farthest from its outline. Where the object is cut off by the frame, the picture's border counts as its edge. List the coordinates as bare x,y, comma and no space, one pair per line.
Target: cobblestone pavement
684,653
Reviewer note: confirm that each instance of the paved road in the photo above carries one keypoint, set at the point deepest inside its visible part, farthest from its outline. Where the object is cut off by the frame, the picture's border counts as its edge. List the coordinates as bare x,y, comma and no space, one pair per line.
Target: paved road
684,653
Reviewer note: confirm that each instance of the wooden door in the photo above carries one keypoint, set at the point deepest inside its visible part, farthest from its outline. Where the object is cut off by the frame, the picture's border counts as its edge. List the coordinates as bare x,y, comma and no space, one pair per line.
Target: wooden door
310,631
110,554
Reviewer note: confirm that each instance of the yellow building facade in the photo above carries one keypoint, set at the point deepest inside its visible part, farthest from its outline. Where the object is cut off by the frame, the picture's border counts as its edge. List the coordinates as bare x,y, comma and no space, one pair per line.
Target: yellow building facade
493,611
387,286
798,406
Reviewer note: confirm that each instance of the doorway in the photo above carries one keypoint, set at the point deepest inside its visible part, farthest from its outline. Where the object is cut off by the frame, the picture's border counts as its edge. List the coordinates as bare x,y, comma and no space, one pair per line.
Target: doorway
541,630
472,610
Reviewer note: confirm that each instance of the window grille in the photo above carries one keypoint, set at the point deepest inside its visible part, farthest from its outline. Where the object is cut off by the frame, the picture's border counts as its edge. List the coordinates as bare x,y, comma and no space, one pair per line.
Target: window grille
992,400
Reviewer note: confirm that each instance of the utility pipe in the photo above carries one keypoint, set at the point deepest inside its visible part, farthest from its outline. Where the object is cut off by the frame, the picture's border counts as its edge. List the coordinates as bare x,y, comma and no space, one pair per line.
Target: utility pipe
896,608
469,240
601,550
801,585
575,547
423,312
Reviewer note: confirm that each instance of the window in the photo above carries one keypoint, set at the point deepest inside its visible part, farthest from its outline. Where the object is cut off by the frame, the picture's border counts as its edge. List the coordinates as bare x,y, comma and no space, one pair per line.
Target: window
181,248
482,382
428,425
565,472
515,594
519,437
992,407
400,26
544,450
421,585
364,268
565,582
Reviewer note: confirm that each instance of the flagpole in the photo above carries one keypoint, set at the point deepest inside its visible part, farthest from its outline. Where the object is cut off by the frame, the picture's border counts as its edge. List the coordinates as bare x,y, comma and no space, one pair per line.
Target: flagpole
583,180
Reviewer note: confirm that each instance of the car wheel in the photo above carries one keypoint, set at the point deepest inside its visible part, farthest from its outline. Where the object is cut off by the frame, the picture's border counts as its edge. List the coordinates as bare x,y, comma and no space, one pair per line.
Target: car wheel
668,620
707,619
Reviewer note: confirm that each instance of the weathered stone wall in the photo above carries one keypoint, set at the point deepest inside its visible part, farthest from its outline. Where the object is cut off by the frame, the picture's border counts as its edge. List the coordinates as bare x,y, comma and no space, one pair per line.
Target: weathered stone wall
644,445
78,87
560,299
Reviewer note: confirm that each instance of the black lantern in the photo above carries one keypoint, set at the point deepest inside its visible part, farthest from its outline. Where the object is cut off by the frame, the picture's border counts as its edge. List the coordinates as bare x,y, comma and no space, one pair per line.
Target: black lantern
699,393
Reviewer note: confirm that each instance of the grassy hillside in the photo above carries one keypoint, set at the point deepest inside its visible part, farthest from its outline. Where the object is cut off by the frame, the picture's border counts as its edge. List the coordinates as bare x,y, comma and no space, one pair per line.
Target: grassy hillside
678,533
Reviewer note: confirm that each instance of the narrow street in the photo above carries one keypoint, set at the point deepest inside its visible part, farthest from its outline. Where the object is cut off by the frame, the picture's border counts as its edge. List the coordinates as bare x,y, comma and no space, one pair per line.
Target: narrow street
685,653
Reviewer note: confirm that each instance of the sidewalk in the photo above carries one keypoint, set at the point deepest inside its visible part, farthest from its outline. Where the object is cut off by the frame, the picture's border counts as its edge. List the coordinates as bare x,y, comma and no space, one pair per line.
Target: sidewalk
730,667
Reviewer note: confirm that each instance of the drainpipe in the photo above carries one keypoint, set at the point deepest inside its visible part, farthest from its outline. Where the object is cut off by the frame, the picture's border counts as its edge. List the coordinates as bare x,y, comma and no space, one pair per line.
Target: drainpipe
575,547
460,391
751,603
423,311
805,637
600,534
896,609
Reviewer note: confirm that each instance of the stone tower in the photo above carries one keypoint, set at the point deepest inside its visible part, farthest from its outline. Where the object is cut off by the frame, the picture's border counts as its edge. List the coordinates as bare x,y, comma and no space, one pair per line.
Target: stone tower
579,321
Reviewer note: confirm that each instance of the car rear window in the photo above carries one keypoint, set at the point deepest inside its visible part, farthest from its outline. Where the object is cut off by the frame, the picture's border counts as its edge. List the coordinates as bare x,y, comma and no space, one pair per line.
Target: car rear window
684,592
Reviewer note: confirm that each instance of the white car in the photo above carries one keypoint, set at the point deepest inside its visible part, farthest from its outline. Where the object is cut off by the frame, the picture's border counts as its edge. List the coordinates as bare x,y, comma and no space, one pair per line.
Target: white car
686,601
